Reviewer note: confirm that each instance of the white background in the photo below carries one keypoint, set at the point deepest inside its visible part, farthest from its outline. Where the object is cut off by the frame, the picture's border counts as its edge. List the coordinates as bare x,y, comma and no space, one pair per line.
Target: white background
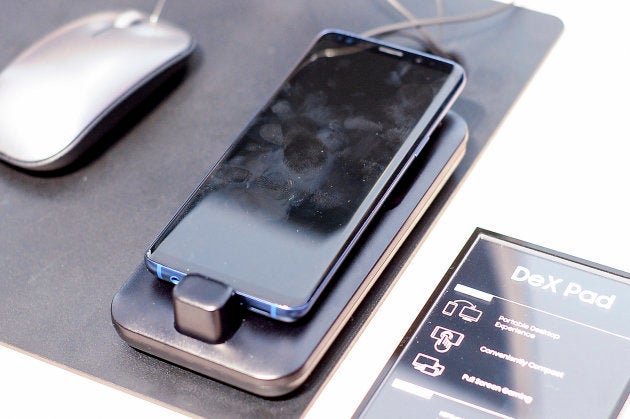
555,174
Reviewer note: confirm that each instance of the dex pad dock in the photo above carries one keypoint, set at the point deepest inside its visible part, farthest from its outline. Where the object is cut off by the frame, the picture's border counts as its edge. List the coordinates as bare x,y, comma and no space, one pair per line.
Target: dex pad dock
196,325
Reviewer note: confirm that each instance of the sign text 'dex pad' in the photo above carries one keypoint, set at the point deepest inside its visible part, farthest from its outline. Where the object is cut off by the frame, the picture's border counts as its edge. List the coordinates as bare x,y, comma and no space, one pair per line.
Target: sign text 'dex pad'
514,330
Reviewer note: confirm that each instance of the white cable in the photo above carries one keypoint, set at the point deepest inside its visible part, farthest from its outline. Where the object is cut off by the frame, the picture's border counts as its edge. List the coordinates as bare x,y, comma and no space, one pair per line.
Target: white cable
157,11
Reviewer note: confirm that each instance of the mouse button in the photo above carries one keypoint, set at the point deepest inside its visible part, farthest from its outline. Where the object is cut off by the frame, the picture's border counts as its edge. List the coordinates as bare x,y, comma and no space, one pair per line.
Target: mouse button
129,18
162,37
85,27
71,33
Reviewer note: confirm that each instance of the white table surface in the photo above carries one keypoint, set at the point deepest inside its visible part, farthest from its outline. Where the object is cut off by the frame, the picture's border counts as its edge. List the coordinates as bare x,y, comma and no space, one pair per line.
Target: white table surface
555,174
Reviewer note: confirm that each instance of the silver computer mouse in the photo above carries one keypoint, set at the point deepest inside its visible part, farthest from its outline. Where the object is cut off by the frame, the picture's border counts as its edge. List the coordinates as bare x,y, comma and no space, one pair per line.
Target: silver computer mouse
60,95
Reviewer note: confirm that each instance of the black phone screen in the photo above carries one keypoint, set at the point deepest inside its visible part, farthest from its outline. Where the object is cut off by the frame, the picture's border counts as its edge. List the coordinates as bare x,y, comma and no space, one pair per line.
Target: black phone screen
516,331
276,213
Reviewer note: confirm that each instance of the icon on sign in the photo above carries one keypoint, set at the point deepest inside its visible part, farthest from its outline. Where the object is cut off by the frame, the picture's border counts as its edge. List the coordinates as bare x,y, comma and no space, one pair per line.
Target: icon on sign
468,311
445,338
428,365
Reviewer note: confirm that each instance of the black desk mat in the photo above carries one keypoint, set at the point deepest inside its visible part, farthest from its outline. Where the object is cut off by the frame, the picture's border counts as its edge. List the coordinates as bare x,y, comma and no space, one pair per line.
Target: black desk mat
69,242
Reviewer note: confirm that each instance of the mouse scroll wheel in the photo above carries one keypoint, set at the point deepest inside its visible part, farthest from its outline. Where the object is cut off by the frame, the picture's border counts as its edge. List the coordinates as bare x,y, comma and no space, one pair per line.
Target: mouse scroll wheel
129,18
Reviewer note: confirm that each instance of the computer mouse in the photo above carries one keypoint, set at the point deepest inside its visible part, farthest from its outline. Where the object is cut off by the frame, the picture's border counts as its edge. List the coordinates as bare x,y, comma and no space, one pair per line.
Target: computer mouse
61,95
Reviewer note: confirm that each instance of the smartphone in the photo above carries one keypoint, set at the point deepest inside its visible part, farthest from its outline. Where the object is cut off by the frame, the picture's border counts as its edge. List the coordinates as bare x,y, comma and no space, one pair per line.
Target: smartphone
276,216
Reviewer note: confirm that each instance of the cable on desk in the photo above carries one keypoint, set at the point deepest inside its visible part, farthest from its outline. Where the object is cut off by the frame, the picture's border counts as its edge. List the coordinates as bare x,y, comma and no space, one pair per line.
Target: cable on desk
420,24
